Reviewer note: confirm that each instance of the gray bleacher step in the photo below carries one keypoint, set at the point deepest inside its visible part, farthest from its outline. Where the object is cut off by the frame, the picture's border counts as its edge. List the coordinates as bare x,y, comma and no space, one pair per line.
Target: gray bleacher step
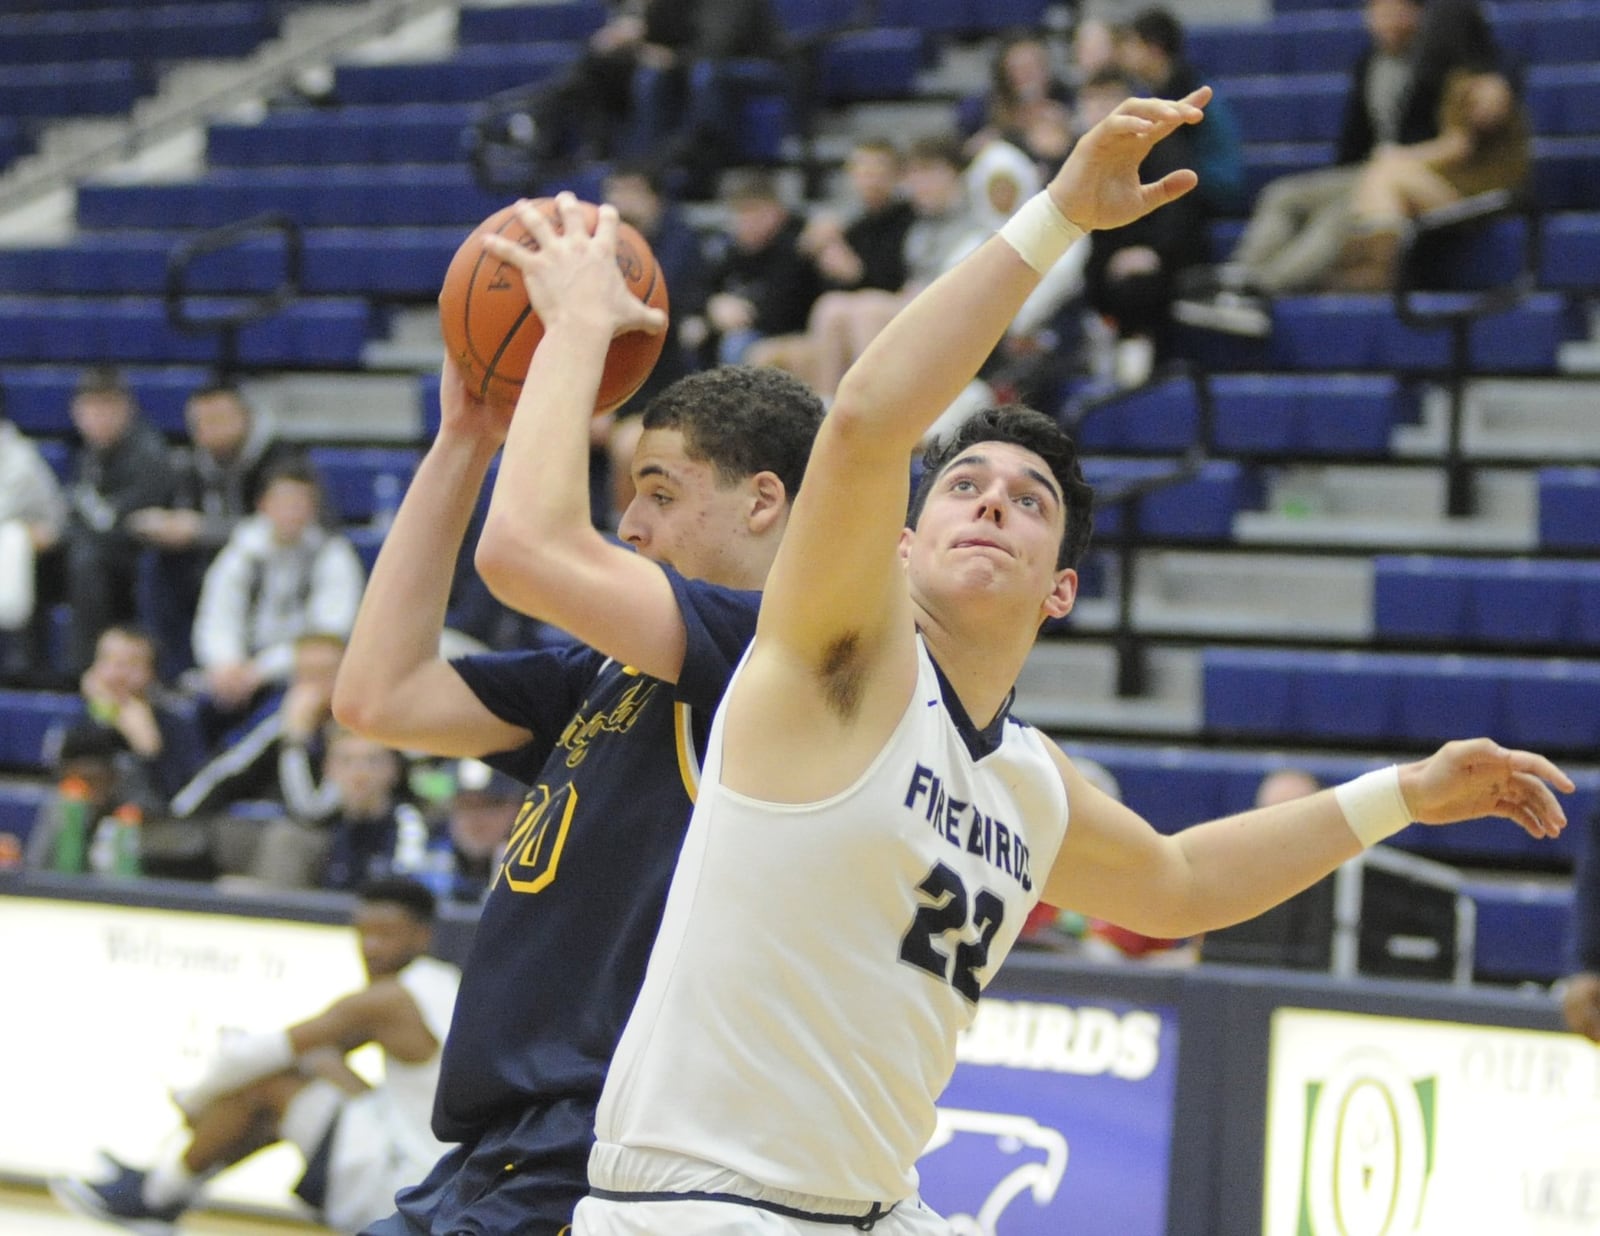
901,120
1511,418
1392,508
413,342
1068,685
1181,592
1579,356
312,407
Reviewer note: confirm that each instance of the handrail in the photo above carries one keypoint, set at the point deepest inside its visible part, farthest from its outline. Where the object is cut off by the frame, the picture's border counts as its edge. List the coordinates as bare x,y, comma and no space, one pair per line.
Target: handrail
1461,310
1129,646
264,79
177,294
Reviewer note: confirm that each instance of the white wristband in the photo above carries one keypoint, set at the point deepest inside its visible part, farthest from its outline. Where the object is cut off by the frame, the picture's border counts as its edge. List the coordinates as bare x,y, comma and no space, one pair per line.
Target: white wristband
1039,232
1373,805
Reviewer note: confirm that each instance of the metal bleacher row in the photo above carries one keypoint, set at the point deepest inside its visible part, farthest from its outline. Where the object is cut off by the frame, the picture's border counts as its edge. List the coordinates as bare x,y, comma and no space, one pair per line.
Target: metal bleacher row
376,175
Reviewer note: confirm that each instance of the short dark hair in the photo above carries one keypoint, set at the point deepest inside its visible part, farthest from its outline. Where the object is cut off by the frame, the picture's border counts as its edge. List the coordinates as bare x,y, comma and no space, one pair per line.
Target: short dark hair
102,380
1033,431
742,419
1113,77
1161,29
211,390
291,468
410,895
937,148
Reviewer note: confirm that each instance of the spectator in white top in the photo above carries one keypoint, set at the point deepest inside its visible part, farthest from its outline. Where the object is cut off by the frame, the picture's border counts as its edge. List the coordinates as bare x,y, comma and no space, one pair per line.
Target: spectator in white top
281,575
33,515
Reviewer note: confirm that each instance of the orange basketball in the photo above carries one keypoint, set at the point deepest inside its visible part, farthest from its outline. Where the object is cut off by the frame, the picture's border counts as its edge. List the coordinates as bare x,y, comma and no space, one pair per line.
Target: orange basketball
491,331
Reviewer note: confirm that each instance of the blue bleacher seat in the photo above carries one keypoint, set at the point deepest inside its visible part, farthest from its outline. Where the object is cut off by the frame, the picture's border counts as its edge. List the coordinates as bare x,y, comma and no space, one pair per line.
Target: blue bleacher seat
809,19
27,718
471,75
1521,931
872,64
1287,107
1161,418
567,21
1507,602
1564,100
90,88
350,476
36,396
1566,173
1199,509
416,133
1571,254
1569,508
1322,414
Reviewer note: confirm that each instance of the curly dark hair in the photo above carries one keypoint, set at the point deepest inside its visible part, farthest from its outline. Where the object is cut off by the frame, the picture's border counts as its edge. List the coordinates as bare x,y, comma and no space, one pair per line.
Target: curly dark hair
409,895
1033,431
742,420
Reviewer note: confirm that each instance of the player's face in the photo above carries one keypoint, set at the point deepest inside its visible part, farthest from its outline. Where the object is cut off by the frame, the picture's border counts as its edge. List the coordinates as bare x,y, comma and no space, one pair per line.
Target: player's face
991,526
683,517
390,938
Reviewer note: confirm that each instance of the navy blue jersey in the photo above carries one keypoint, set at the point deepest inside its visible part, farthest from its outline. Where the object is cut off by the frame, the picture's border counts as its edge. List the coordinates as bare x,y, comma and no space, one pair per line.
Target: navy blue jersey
560,950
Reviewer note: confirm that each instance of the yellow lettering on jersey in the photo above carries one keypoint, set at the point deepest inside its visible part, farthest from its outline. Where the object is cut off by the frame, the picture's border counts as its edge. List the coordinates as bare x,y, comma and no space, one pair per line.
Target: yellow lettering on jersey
537,838
582,730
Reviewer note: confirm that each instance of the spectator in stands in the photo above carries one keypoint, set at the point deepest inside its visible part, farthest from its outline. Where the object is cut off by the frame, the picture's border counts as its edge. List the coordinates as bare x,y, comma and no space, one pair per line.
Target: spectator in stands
1302,223
1151,49
867,252
373,831
160,731
1024,94
944,231
121,467
1579,992
86,753
33,516
1283,785
218,481
280,575
637,194
1131,272
761,284
1485,143
360,1142
464,861
277,755
652,61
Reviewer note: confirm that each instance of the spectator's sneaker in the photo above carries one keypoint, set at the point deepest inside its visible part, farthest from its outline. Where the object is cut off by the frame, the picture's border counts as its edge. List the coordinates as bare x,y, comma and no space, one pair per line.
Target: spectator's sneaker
1234,313
118,1201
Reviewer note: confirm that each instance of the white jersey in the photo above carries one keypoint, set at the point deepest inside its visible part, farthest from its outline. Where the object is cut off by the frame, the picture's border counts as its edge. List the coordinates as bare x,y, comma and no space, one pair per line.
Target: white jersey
384,1140
816,962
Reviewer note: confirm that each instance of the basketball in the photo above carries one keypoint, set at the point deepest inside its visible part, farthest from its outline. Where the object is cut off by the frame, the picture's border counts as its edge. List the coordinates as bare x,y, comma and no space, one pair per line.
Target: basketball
491,331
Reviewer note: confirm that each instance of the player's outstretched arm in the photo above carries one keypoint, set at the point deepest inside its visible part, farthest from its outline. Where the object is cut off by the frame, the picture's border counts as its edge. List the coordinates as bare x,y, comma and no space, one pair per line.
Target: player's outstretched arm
835,562
392,684
539,552
1113,865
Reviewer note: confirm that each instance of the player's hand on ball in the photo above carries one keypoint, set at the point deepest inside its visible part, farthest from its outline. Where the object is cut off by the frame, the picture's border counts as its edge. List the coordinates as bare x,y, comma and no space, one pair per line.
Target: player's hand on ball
1478,777
463,411
571,273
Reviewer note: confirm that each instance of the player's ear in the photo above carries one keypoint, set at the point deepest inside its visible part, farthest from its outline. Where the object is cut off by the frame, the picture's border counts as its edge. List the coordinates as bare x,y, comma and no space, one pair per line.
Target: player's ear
768,501
1058,604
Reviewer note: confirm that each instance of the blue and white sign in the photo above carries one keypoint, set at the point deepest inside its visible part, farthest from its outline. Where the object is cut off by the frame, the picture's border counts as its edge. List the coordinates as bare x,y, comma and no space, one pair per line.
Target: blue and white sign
1058,1121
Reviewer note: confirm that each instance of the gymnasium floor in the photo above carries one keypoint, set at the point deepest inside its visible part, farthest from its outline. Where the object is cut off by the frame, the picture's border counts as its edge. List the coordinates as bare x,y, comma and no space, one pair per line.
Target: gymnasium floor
33,1212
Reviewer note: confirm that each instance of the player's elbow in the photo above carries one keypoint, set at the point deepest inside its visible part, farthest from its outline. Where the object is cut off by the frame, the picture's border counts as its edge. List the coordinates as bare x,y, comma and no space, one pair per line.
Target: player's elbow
356,705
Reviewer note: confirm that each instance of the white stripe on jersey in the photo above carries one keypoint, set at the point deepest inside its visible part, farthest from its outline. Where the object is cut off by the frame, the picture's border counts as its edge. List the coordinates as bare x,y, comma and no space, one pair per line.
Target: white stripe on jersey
816,962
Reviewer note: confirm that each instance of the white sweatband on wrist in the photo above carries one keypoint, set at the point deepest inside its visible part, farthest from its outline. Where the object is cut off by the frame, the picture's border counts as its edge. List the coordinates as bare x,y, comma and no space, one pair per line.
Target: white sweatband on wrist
1373,805
1039,232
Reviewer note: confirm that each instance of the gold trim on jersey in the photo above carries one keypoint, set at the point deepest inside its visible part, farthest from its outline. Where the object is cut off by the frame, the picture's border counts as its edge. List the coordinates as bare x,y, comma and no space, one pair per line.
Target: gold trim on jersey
688,762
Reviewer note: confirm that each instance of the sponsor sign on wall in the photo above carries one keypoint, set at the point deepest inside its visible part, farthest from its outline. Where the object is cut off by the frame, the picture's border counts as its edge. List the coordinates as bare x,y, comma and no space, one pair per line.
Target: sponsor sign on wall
1387,1126
1058,1120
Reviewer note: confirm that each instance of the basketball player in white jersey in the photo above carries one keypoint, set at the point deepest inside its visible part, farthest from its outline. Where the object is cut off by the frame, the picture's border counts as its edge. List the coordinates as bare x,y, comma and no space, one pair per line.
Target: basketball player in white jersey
873,827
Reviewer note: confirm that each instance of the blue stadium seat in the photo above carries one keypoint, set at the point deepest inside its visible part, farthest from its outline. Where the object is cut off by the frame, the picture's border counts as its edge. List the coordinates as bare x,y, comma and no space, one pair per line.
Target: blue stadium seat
1566,173
1417,597
90,88
350,476
403,133
1161,418
147,33
36,397
389,262
809,19
470,76
872,64
26,719
1324,414
1569,508
1564,100
1522,931
1199,509
936,17
1559,32
1571,254
566,21
1286,107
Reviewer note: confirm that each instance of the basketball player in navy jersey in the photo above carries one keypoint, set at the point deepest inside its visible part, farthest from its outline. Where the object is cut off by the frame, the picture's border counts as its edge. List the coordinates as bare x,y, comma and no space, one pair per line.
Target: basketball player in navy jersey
873,826
607,733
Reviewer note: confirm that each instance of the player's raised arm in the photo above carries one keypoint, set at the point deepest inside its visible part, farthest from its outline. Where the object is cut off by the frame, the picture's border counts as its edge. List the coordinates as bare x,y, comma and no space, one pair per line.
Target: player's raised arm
392,684
540,552
833,573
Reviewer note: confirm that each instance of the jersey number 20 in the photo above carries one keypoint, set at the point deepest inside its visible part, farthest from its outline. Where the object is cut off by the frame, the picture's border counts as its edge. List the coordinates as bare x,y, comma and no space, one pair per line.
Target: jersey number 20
947,910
